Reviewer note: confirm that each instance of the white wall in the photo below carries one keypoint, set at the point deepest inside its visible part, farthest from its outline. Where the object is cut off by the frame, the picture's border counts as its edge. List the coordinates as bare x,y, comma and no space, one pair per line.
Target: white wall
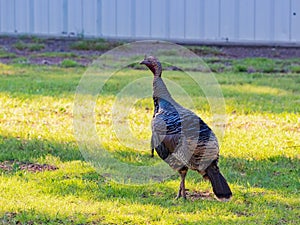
241,21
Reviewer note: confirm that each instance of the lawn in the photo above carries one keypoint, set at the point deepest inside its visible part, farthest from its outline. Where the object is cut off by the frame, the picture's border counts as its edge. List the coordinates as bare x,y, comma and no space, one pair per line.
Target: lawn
260,152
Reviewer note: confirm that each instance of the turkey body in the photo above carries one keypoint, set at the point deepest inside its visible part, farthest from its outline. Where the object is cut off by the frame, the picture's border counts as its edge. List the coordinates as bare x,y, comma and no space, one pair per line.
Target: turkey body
182,139
176,130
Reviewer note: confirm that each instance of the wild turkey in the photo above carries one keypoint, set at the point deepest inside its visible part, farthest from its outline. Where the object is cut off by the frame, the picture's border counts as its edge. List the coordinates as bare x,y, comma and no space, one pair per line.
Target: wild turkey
182,139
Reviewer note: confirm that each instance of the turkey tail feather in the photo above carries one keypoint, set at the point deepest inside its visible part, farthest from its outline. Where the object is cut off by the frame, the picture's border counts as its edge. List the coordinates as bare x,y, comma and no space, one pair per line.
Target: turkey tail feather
219,183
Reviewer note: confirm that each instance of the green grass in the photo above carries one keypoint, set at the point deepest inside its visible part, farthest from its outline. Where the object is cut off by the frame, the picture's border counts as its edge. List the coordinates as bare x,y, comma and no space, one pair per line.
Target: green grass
266,65
56,54
295,68
206,50
259,153
67,63
35,46
96,45
6,54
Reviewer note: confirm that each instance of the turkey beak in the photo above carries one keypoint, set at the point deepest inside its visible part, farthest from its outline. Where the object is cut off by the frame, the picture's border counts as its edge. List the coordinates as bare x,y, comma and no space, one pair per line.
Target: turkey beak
144,62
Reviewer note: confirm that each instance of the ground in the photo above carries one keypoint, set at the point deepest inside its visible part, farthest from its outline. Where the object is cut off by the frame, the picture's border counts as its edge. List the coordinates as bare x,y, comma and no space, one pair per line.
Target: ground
38,50
44,178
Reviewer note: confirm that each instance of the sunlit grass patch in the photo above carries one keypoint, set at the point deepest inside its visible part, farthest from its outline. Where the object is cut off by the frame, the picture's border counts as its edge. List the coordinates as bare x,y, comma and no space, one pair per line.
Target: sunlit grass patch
6,69
263,136
251,89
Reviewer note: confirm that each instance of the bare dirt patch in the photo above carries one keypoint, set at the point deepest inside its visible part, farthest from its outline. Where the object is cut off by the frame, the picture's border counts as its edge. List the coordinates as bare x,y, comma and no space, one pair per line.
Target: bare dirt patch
198,195
31,167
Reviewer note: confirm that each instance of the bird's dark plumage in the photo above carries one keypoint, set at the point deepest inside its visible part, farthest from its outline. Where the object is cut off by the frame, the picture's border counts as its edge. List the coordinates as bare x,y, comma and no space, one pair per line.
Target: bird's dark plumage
182,139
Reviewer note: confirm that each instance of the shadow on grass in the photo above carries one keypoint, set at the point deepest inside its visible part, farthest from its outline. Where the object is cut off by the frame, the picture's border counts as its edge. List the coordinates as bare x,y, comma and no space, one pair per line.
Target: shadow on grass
277,173
12,148
271,183
35,217
28,81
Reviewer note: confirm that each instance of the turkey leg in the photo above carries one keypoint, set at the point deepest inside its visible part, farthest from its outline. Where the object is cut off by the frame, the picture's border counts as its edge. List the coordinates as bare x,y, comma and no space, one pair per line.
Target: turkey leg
182,190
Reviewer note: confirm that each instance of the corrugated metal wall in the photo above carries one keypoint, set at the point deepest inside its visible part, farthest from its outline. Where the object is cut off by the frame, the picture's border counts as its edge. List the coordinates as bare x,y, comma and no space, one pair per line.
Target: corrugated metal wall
250,21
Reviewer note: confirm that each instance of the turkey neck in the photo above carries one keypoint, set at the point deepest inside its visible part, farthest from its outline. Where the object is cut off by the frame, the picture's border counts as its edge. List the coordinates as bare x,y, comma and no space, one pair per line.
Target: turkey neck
160,90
